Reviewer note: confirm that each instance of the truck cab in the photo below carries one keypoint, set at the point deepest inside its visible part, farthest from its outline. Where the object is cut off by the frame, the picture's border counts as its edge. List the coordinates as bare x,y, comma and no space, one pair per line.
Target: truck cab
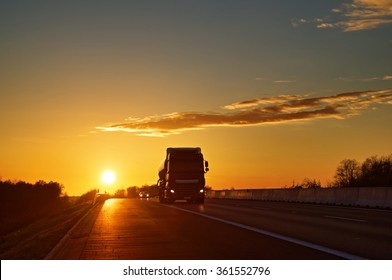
181,176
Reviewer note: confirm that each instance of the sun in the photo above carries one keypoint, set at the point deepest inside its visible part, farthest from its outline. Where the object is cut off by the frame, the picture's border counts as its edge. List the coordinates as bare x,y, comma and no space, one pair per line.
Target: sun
108,177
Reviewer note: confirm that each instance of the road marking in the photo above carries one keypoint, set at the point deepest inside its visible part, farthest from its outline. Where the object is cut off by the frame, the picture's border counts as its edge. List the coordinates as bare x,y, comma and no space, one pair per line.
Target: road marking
321,248
347,219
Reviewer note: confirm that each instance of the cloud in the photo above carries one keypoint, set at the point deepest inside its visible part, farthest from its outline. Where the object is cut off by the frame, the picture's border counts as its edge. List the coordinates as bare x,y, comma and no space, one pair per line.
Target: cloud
297,22
371,79
283,81
355,15
266,110
280,81
326,25
365,14
262,101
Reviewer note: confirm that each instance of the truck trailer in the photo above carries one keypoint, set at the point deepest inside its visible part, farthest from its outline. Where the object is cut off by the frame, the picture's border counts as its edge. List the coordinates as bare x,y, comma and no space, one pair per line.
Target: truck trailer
181,175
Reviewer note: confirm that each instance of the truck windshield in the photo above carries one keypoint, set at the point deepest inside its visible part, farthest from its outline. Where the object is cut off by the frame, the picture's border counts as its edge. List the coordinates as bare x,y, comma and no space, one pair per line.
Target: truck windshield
186,165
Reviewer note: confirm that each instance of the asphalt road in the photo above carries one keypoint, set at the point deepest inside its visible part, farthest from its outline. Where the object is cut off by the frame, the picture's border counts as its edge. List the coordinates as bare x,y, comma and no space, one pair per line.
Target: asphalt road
143,229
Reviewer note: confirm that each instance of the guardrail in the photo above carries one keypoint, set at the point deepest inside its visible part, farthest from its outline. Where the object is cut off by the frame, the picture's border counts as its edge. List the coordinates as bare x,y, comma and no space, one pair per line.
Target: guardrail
366,197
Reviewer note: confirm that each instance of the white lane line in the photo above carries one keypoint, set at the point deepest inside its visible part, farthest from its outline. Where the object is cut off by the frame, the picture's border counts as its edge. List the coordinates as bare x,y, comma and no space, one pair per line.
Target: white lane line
334,252
344,218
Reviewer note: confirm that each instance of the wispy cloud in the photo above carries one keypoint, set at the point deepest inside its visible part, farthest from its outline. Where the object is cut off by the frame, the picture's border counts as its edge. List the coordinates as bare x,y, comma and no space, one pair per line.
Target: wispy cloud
297,22
370,79
281,99
267,110
280,81
283,81
354,15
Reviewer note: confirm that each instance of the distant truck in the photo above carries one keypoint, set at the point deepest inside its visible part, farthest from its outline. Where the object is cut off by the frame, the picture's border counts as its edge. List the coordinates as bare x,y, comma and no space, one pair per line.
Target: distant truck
181,176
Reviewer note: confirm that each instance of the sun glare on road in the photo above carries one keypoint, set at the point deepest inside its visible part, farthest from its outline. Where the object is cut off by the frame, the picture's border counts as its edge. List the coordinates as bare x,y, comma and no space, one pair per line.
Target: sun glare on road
108,177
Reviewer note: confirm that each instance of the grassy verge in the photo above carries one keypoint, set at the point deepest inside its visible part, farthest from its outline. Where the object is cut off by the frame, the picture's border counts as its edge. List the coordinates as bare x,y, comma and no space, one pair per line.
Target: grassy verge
36,240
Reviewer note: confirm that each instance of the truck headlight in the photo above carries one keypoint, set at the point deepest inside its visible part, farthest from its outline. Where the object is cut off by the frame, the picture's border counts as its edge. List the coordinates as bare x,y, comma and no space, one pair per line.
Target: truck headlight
201,191
172,191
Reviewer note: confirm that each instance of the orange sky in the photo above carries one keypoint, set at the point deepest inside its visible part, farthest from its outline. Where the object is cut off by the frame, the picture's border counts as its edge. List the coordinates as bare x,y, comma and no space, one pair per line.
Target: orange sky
271,92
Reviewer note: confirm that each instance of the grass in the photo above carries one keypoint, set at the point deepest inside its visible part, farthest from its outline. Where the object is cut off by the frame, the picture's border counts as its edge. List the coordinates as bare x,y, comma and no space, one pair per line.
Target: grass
36,240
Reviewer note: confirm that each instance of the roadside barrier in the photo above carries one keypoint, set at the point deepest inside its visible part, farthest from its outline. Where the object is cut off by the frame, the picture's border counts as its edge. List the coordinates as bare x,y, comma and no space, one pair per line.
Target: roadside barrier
306,195
366,196
326,196
347,196
372,197
388,199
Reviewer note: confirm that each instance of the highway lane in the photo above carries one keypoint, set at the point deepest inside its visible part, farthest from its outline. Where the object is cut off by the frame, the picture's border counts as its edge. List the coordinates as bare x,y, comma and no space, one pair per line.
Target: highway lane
143,229
355,232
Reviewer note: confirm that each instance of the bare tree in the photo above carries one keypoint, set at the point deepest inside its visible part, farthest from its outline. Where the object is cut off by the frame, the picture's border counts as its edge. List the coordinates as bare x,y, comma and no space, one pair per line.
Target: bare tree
347,173
377,171
311,183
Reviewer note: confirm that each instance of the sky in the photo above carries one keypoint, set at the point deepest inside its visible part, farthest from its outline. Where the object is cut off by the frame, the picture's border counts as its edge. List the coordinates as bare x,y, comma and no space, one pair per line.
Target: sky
272,91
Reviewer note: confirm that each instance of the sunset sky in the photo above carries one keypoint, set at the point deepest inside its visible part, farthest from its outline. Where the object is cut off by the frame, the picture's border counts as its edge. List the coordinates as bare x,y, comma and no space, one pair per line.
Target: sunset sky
272,91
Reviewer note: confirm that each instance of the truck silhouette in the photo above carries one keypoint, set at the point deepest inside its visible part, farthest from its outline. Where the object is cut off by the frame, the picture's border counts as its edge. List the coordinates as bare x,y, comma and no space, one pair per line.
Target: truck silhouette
181,176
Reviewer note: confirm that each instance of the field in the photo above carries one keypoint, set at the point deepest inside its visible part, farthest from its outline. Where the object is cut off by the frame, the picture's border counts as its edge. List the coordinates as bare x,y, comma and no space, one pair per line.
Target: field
36,240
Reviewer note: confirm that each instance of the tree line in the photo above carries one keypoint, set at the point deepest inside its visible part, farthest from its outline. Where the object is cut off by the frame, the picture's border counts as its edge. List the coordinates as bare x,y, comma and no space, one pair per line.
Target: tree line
133,191
21,202
375,171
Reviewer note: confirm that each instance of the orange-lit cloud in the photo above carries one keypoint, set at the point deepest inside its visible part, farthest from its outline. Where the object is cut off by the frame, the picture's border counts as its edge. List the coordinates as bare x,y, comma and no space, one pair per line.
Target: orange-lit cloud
268,110
355,15
365,14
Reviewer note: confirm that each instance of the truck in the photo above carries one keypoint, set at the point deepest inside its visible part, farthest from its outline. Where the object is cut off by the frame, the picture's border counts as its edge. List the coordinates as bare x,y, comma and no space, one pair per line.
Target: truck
181,175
